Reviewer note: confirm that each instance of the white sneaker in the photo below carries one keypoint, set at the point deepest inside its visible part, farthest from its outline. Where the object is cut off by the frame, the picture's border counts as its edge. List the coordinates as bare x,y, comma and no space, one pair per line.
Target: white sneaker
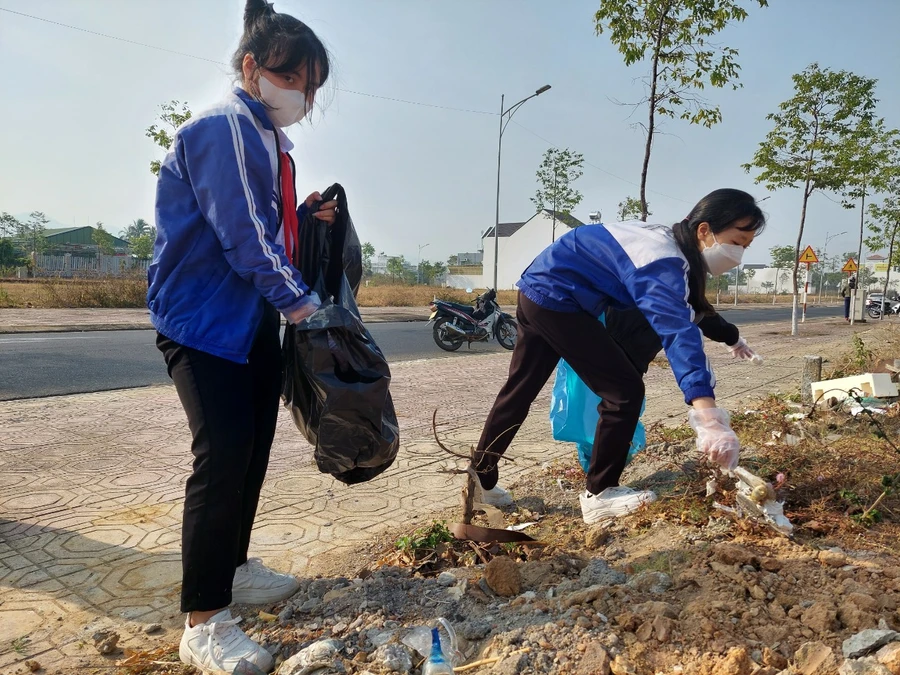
613,502
496,496
256,584
218,645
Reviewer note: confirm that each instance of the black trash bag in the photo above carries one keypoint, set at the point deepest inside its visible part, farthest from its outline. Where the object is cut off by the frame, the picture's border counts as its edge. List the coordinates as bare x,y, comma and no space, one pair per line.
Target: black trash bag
336,379
316,253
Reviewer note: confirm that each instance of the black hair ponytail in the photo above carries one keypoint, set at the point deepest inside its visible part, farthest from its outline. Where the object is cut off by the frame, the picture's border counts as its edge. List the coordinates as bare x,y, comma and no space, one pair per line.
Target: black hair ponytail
281,43
254,11
720,209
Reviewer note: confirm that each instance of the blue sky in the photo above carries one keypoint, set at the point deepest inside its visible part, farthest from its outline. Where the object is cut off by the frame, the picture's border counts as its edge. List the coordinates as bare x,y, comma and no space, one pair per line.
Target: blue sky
77,105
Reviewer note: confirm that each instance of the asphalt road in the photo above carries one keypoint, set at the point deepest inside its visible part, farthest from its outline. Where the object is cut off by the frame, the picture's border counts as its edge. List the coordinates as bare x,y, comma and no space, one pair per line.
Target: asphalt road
51,364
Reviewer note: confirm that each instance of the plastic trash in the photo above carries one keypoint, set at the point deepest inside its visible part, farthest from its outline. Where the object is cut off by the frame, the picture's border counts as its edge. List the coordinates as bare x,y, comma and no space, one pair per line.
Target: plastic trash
441,652
436,663
574,415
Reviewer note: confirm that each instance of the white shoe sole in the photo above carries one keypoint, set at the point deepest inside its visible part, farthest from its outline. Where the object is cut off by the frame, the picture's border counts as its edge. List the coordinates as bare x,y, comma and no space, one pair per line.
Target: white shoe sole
485,497
187,657
596,516
263,596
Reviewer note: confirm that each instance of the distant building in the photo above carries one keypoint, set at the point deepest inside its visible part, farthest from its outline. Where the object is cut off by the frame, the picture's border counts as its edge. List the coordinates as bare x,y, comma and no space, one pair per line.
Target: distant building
469,259
520,243
78,240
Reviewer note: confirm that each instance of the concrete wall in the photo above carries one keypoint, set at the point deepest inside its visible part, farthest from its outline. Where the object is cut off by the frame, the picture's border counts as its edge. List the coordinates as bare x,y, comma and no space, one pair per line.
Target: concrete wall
517,251
464,281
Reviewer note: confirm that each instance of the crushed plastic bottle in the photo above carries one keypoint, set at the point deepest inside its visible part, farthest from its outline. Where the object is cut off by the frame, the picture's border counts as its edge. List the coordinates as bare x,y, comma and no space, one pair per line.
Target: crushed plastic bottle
427,640
436,663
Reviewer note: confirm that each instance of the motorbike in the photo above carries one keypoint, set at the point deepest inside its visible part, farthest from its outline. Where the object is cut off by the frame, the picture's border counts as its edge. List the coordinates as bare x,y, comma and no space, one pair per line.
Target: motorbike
455,323
875,308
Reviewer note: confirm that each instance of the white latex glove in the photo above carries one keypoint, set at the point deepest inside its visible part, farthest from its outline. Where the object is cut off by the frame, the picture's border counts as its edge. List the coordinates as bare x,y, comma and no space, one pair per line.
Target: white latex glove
715,439
304,311
741,350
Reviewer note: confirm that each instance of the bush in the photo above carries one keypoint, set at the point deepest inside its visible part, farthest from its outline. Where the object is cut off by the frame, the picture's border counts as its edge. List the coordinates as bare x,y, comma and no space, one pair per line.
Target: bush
57,293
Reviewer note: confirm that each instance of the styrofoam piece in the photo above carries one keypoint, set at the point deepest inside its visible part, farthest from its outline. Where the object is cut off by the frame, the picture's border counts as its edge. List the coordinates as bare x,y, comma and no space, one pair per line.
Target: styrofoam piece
867,384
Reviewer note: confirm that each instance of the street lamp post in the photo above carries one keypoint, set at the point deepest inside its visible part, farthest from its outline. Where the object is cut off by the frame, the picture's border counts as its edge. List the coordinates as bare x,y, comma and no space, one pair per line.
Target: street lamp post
824,258
419,268
505,117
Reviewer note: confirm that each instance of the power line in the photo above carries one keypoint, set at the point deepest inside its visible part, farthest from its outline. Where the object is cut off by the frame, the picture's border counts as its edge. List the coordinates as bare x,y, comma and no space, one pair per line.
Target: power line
110,37
602,170
219,63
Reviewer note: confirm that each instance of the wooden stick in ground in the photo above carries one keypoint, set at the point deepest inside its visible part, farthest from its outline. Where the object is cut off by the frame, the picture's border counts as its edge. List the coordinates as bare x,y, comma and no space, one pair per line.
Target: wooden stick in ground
488,661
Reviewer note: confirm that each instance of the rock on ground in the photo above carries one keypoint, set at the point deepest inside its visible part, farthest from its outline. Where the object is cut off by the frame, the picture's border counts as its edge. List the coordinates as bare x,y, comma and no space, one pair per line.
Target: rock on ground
866,666
394,658
736,662
503,577
815,658
867,642
595,661
889,657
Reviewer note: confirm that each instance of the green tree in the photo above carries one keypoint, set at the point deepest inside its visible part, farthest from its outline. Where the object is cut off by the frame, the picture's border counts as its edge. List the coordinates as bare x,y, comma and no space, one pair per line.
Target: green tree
558,170
719,284
871,153
171,116
368,252
783,258
630,209
32,233
141,238
674,38
884,227
748,275
138,228
10,253
805,148
430,271
453,261
768,286
142,246
103,240
396,267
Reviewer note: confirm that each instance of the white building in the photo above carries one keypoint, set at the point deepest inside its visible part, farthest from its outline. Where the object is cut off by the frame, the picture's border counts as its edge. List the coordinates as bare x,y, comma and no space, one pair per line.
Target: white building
519,244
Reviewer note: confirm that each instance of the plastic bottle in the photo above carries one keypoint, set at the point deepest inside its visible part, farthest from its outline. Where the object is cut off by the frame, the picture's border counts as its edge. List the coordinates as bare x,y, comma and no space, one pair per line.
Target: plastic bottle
436,663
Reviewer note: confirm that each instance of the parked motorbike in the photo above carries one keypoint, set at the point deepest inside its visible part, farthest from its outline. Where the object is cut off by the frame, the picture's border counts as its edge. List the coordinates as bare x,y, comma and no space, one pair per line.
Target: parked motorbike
875,308
455,323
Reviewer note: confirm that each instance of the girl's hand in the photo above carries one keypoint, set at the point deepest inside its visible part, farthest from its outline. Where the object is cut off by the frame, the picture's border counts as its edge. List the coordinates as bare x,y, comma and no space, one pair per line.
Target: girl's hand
326,212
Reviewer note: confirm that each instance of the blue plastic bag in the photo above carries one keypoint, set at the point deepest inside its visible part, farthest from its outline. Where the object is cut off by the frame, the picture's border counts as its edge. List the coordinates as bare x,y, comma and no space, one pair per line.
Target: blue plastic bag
574,415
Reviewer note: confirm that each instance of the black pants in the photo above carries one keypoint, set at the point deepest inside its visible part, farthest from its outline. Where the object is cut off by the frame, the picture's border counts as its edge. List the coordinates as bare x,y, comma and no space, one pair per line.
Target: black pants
544,338
847,307
232,410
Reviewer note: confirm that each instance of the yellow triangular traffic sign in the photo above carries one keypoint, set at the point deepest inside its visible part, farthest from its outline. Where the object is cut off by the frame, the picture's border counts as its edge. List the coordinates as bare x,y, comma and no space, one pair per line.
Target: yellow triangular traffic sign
850,266
809,256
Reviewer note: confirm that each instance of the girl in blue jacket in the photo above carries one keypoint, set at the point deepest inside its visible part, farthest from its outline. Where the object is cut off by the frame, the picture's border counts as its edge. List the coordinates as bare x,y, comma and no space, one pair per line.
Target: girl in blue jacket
226,213
659,270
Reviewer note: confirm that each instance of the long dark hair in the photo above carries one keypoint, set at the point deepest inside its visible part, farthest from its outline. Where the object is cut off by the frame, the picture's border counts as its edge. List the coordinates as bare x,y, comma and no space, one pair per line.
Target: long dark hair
282,44
720,208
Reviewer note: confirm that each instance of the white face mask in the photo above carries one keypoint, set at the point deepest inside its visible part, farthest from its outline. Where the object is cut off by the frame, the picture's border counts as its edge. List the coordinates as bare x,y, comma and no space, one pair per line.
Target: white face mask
286,106
720,258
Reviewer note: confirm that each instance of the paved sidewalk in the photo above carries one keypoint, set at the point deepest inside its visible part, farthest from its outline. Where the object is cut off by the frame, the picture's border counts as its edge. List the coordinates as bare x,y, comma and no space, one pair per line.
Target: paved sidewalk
91,488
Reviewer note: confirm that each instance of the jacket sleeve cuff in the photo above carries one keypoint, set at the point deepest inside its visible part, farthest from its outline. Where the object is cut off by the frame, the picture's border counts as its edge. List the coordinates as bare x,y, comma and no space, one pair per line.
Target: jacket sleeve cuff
302,212
698,391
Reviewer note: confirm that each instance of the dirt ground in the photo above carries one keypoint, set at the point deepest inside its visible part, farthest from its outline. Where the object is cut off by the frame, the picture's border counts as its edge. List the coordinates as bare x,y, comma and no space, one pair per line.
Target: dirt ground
683,586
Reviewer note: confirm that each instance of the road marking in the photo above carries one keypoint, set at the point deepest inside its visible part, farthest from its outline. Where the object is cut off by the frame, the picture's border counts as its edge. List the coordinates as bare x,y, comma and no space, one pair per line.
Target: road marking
10,341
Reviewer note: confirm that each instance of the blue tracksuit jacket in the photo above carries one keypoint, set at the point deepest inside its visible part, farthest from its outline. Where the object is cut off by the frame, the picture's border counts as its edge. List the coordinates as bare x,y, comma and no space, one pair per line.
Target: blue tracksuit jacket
626,265
219,250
